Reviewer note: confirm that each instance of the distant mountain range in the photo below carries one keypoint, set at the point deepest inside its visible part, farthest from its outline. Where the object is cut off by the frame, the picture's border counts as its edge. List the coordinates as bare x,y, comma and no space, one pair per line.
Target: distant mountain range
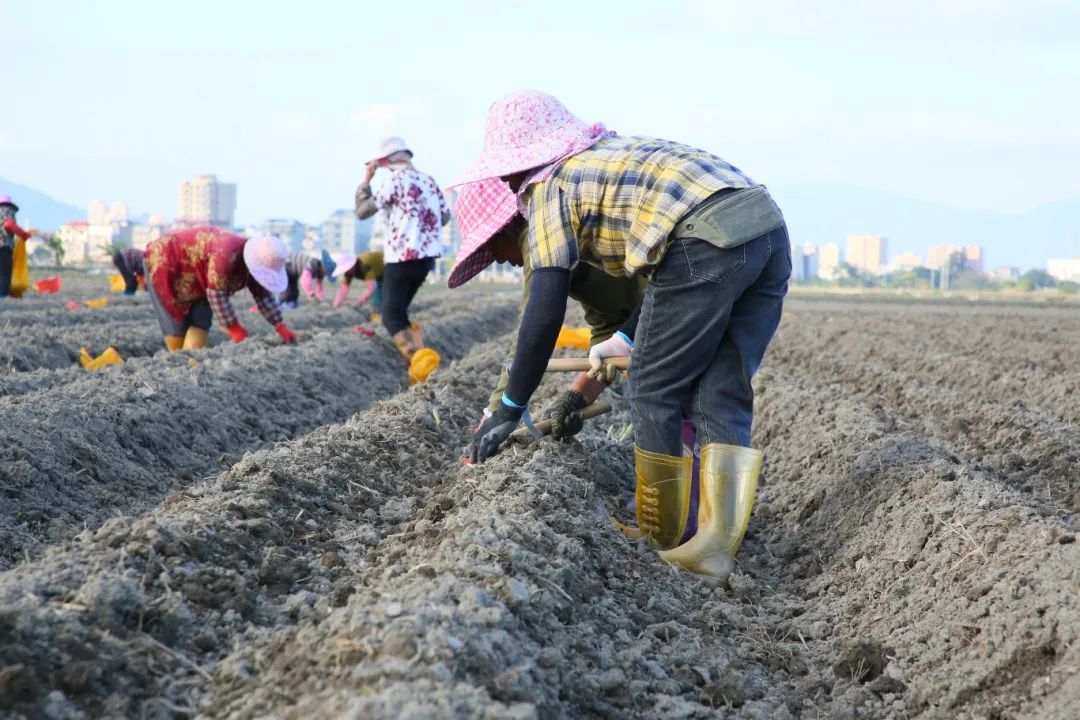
819,213
828,213
38,210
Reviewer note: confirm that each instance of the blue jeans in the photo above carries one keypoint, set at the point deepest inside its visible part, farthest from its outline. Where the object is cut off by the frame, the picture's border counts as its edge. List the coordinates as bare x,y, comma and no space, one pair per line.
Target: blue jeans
706,319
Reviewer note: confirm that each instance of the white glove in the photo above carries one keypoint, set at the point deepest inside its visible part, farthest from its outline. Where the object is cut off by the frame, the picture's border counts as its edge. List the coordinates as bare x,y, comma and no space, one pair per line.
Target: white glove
618,345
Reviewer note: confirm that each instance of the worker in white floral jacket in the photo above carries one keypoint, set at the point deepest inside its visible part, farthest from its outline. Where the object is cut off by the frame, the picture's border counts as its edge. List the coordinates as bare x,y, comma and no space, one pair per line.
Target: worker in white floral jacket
414,211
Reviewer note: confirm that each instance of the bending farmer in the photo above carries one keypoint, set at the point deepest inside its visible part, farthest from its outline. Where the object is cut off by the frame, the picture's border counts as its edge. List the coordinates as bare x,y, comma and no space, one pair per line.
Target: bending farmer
367,266
191,275
715,249
131,266
303,272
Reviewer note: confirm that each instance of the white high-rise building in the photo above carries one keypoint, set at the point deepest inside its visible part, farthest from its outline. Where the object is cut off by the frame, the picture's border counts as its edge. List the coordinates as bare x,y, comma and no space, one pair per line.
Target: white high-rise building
143,235
1064,269
451,233
84,243
205,201
828,261
117,215
290,231
907,261
342,232
867,253
96,212
967,257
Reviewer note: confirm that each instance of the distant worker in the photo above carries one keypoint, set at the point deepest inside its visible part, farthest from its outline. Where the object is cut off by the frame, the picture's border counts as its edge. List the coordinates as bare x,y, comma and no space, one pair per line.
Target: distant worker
129,263
304,273
192,273
413,211
9,230
367,266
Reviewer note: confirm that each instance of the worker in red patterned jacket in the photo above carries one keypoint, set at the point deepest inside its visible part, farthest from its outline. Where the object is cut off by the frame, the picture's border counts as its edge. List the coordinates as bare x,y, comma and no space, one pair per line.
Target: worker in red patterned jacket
9,229
191,274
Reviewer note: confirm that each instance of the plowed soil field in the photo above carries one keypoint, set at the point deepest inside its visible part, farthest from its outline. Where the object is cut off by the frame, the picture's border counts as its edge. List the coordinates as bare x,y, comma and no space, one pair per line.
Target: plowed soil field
259,531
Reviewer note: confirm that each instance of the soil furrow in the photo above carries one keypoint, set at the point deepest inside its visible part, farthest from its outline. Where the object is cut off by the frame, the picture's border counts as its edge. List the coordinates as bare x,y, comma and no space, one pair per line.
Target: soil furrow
119,440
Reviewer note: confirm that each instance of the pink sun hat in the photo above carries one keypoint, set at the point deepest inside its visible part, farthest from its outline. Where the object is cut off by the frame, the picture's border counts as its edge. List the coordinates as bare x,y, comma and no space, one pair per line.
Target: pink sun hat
483,209
529,129
343,263
265,257
6,200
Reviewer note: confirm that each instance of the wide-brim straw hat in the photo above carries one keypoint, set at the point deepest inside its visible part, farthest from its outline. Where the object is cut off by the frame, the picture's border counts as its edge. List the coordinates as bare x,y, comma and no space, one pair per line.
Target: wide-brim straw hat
483,209
525,130
389,146
265,257
343,263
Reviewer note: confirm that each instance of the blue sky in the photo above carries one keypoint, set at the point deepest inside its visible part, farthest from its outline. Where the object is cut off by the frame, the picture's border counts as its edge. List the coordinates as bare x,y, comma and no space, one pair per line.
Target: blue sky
964,103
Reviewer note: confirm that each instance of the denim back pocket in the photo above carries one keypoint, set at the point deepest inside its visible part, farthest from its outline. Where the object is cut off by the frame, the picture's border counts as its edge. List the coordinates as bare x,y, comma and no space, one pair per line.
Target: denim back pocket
715,264
693,258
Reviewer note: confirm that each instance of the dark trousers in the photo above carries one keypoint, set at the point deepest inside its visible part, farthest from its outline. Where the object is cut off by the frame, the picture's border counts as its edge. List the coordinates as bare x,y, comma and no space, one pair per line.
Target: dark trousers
401,280
200,315
131,284
6,254
291,294
706,319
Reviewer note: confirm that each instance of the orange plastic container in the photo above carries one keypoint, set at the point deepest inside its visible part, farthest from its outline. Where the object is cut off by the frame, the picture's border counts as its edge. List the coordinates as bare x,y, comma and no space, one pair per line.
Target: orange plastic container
577,338
109,357
48,285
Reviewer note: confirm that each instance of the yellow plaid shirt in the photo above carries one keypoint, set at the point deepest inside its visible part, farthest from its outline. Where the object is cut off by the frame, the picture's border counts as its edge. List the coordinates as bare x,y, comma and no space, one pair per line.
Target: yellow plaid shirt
615,204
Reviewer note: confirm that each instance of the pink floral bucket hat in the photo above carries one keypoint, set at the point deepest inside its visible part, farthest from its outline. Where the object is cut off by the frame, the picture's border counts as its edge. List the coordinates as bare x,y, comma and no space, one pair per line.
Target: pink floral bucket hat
529,129
483,209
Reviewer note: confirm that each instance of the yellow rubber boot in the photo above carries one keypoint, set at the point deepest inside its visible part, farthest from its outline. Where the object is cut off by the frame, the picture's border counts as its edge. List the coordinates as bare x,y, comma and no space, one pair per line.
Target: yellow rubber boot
417,336
729,478
424,362
662,496
403,341
195,338
173,342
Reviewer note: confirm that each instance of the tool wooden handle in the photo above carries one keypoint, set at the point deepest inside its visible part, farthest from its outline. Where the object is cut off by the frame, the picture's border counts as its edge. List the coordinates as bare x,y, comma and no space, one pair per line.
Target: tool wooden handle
544,426
582,364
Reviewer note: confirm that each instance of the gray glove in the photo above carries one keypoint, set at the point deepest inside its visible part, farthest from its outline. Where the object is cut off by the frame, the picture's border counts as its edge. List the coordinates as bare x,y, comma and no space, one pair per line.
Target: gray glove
565,414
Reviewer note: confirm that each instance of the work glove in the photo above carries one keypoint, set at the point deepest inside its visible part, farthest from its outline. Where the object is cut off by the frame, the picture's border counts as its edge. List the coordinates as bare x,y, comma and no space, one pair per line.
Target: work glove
493,432
307,283
237,332
369,290
286,334
618,345
342,293
565,414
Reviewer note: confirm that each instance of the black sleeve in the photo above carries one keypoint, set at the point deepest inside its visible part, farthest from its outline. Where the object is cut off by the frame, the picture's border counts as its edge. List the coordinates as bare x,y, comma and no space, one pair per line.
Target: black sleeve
630,326
540,325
